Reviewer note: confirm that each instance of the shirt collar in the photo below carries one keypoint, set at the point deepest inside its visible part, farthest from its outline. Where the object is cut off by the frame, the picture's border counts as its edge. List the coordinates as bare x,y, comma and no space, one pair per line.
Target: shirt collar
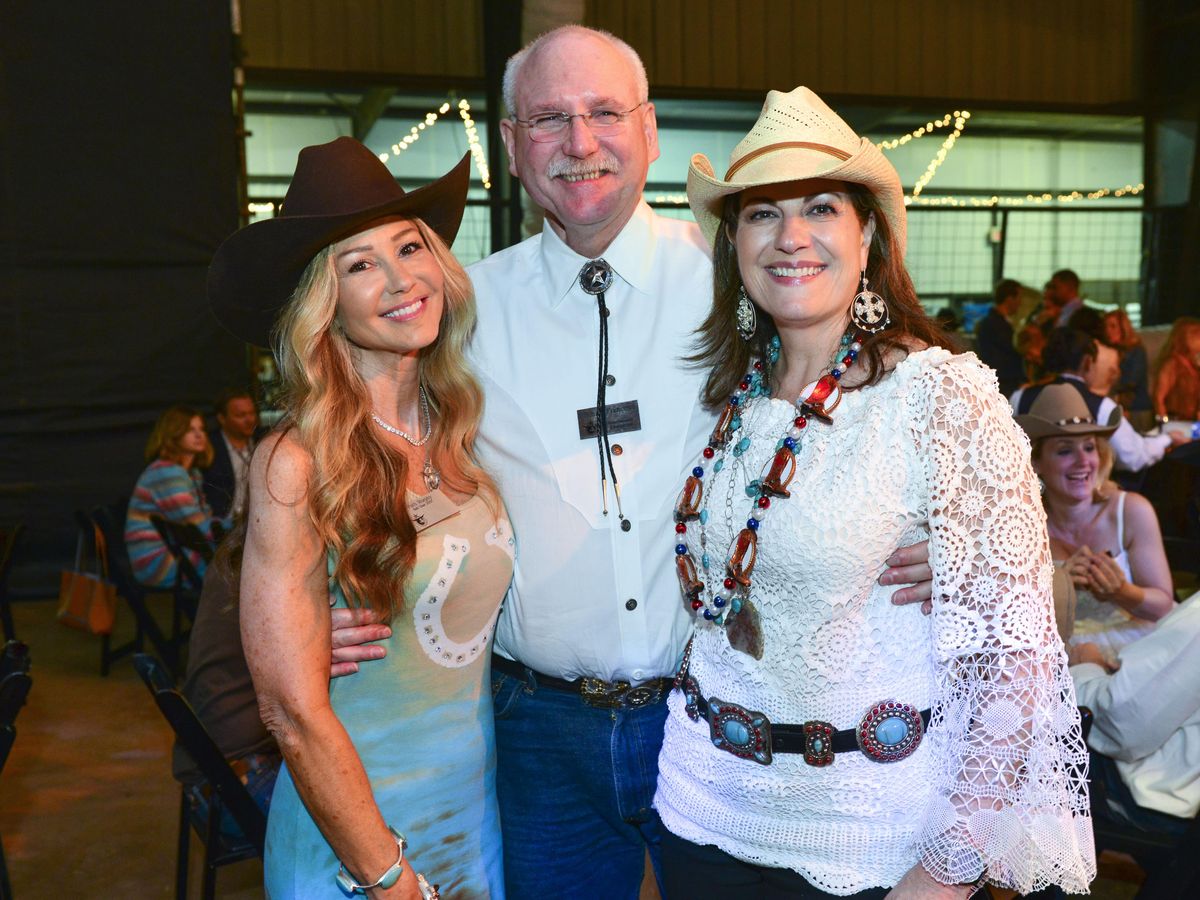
631,255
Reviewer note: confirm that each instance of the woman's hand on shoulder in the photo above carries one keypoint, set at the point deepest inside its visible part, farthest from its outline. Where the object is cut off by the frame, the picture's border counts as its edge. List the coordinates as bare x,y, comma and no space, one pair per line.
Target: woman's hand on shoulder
917,884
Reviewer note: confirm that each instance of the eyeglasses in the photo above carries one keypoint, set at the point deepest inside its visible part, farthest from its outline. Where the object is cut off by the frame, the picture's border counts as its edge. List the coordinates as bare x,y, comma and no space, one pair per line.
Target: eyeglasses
545,128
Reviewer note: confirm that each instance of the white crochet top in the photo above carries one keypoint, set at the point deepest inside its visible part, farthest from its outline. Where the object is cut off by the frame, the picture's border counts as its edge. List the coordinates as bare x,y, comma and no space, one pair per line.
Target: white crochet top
931,451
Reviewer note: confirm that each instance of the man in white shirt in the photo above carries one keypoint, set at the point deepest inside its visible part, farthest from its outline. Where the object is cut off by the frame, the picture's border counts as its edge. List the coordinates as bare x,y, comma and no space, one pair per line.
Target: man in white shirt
593,626
1147,712
1082,362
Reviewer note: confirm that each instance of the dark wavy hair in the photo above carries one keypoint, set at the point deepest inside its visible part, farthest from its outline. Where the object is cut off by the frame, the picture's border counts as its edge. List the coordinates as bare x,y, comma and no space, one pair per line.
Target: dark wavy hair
727,357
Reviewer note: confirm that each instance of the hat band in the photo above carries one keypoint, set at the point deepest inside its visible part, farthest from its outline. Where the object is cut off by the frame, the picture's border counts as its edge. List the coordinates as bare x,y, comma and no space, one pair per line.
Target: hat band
1075,420
785,145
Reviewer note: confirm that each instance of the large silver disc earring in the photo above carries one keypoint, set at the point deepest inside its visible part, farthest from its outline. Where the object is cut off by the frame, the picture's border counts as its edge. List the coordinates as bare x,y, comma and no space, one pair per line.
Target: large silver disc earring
868,311
747,320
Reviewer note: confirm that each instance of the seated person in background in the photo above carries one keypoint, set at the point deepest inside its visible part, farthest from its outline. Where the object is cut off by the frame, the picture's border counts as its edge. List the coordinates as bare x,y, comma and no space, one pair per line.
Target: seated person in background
169,487
994,337
1132,391
1076,359
1147,717
1177,372
219,688
1107,541
233,445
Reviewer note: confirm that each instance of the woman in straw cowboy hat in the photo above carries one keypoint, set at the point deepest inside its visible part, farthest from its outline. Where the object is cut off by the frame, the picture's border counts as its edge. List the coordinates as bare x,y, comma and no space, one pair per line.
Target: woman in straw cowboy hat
368,494
825,740
1107,541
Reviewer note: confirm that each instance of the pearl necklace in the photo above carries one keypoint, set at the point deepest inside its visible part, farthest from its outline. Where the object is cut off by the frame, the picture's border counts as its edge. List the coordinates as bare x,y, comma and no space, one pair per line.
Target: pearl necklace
817,399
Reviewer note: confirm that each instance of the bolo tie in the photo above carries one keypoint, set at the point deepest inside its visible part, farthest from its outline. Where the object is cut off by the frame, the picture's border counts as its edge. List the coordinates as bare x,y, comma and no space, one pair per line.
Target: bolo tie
595,278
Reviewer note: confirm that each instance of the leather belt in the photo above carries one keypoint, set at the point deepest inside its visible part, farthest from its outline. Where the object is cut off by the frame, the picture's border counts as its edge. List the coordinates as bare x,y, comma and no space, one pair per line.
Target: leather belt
595,692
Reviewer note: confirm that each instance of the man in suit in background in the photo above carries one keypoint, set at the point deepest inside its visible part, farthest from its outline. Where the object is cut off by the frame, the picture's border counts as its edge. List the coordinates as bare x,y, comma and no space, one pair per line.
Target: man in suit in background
233,444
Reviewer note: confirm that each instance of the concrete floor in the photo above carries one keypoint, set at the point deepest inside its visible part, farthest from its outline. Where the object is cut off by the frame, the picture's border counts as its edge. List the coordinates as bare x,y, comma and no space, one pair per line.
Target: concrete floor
88,807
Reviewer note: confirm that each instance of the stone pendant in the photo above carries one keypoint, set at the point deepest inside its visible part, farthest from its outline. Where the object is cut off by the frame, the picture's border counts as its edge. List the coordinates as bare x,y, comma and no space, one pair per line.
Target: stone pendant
745,630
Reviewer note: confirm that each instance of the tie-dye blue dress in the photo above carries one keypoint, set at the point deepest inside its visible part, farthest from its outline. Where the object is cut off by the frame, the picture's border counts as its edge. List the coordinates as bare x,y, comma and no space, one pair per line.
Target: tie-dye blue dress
421,720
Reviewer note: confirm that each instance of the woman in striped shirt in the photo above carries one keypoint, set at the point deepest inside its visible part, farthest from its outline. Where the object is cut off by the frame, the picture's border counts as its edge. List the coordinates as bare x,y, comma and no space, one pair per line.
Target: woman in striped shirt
169,487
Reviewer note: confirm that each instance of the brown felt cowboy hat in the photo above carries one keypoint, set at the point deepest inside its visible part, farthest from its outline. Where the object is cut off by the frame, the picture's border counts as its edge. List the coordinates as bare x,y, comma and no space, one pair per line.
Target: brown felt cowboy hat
338,190
796,137
1059,410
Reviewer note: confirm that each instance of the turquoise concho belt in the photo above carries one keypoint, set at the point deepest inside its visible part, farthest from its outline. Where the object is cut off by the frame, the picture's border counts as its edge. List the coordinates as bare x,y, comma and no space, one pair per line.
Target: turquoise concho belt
889,731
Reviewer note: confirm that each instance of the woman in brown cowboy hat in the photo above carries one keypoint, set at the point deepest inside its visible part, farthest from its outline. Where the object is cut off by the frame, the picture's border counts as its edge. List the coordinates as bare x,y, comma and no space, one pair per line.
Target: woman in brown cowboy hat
1106,540
368,494
827,741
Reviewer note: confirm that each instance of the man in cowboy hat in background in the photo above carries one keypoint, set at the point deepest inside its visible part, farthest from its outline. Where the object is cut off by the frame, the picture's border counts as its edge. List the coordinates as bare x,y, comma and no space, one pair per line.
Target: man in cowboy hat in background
593,626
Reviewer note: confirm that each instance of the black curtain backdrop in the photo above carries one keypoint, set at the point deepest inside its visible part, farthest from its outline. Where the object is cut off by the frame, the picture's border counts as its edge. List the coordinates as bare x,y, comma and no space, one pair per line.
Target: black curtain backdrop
117,144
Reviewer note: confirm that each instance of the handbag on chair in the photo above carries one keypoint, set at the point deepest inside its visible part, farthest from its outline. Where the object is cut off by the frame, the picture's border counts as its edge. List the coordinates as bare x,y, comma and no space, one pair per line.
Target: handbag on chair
88,600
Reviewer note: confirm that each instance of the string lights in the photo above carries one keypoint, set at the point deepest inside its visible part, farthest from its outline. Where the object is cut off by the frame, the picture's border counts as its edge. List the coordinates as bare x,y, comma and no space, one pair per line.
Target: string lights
960,122
477,154
1129,190
431,119
927,128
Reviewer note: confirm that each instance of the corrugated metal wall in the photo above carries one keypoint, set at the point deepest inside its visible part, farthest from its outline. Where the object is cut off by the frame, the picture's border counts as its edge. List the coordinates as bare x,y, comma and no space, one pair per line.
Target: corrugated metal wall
1019,51
395,37
1073,52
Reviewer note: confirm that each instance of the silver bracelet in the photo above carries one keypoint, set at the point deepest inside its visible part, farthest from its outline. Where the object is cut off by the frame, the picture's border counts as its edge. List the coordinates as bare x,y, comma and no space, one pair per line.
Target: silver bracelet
385,881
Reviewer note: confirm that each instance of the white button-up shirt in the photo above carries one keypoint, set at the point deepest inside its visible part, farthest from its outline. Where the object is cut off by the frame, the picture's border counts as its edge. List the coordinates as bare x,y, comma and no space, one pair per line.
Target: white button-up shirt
587,598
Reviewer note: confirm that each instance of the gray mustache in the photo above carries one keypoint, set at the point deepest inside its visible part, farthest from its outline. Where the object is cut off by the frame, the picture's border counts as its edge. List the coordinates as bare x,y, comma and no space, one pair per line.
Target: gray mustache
600,160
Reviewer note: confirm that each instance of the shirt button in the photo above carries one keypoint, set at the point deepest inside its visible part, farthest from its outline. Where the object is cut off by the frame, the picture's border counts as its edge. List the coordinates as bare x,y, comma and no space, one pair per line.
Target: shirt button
637,675
631,604
617,449
610,380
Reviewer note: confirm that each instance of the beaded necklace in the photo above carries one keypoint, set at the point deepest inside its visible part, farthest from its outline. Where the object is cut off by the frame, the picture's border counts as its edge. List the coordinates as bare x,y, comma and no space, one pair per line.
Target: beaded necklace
729,605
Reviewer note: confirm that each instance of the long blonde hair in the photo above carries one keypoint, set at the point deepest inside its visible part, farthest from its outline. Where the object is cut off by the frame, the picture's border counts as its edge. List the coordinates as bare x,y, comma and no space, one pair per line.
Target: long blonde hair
357,489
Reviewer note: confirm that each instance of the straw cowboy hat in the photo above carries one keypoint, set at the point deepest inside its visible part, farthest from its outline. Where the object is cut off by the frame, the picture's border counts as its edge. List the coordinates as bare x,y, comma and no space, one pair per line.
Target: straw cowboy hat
1059,410
338,190
796,137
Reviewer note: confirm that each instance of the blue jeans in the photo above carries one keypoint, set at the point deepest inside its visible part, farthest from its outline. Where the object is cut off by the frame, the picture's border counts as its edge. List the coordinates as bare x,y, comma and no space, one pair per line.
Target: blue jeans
259,781
576,789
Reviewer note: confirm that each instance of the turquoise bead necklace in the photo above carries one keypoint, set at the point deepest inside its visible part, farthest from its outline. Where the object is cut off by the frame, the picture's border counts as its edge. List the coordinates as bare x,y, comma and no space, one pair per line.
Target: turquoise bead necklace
723,604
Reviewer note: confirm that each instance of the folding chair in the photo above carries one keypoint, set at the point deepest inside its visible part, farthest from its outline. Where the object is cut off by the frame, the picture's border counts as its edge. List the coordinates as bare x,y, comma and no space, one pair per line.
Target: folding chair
111,522
226,790
8,540
182,539
15,682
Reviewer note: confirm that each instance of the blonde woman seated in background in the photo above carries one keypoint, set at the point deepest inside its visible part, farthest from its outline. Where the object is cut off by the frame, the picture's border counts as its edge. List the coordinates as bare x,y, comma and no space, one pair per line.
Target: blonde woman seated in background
1107,540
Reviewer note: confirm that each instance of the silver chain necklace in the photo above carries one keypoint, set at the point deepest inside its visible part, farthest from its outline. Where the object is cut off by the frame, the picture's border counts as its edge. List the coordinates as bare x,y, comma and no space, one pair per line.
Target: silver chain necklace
426,431
429,474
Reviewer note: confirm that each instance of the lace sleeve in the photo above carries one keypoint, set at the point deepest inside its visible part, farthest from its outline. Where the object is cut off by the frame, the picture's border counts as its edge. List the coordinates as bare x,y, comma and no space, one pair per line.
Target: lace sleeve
1013,790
